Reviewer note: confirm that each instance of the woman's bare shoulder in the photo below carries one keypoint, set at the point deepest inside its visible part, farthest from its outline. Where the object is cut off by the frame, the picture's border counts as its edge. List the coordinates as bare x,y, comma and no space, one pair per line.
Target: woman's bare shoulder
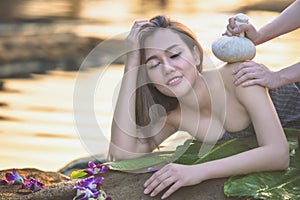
227,69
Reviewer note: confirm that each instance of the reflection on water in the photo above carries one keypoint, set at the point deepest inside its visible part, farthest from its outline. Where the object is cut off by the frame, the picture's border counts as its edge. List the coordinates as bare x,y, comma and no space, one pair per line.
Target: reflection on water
41,131
37,126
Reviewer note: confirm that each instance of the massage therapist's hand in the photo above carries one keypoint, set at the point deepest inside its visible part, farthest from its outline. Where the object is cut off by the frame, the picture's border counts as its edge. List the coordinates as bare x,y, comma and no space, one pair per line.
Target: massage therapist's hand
251,73
173,175
250,32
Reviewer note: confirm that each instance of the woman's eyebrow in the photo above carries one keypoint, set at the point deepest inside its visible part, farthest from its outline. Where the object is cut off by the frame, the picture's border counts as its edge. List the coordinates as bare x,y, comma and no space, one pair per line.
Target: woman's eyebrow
167,49
171,47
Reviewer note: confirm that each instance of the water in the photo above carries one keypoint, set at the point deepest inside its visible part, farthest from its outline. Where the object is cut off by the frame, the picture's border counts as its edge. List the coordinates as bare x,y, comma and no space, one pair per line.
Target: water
38,128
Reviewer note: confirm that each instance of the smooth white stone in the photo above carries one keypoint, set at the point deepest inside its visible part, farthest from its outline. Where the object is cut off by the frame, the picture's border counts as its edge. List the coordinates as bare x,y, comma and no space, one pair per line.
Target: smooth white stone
233,49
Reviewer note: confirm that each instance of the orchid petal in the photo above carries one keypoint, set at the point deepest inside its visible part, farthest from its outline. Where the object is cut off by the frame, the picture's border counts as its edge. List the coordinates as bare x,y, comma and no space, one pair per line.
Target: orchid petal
3,182
9,177
89,171
104,168
92,165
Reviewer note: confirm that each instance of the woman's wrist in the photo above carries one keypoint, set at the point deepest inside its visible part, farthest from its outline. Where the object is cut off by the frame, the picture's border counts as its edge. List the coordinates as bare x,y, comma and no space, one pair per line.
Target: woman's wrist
132,60
204,172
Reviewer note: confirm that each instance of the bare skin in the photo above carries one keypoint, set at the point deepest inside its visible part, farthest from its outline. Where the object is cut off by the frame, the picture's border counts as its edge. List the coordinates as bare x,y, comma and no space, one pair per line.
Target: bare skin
203,113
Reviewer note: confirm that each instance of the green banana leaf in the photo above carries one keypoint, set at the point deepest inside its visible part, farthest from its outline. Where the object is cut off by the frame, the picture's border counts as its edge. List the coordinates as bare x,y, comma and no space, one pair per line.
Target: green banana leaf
153,159
187,154
270,185
142,162
220,150
267,185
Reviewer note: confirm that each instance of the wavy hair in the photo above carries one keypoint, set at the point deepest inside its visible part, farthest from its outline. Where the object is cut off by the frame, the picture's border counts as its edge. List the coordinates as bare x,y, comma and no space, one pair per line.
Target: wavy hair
146,94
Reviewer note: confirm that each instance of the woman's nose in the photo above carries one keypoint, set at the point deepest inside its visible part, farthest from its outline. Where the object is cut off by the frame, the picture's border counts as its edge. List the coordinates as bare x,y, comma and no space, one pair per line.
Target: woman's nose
168,67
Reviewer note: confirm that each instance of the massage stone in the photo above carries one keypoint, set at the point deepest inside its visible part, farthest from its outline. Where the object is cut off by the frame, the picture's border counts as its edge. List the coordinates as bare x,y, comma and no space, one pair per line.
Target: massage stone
235,48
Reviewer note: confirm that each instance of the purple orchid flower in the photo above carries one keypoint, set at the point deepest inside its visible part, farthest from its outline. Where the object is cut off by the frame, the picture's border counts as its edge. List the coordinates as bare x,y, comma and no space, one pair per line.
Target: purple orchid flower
14,178
86,194
96,168
34,185
91,183
90,188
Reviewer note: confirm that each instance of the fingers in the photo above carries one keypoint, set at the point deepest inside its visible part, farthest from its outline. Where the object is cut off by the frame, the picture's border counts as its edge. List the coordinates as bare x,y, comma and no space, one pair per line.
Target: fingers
244,71
229,28
229,31
160,180
231,23
132,43
252,82
155,175
232,29
249,73
137,25
171,190
159,185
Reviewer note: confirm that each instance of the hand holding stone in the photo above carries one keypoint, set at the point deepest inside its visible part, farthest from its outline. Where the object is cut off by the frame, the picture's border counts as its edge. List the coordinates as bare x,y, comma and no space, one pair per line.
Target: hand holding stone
234,48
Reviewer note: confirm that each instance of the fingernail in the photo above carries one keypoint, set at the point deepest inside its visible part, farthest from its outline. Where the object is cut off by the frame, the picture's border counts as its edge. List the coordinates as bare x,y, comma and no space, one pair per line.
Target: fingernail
146,184
163,196
151,169
152,194
146,191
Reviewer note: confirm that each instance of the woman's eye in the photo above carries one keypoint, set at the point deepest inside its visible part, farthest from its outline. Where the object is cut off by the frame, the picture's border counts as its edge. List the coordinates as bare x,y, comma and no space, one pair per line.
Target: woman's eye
175,55
154,65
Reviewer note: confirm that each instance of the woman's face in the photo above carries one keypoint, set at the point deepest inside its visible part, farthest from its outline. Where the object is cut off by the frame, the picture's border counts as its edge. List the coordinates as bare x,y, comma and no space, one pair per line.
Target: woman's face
170,63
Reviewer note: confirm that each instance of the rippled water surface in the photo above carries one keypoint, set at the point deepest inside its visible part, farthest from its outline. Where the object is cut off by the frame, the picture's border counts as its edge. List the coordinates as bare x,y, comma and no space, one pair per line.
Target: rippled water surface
37,128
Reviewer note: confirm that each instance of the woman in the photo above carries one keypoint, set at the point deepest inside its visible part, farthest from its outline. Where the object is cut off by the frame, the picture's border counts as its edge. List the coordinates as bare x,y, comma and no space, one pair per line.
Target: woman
165,90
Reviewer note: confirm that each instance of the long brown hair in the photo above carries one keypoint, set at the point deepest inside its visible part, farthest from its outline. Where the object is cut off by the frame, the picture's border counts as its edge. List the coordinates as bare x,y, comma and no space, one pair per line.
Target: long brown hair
146,94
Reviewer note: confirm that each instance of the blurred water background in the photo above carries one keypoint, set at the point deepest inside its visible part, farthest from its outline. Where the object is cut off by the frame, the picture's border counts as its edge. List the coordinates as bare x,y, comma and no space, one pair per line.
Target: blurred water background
43,44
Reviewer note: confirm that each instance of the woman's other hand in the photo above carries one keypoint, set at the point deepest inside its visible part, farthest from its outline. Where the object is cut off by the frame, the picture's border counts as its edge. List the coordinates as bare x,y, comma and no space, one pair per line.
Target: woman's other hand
175,176
132,39
132,45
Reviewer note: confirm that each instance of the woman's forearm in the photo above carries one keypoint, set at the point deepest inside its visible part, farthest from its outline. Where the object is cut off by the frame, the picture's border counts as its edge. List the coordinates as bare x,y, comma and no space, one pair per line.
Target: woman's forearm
124,139
265,158
287,21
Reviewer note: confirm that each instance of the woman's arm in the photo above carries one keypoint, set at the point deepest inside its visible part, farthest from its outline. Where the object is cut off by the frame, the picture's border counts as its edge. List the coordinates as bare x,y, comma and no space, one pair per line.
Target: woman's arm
272,153
124,142
128,141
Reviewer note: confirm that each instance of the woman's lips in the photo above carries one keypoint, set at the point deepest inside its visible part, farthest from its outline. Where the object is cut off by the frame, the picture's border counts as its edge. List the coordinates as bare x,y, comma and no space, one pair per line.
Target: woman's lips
174,81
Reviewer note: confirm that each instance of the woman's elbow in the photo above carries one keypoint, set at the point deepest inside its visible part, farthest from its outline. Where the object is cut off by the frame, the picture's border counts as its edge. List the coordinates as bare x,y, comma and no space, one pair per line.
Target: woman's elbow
282,156
117,154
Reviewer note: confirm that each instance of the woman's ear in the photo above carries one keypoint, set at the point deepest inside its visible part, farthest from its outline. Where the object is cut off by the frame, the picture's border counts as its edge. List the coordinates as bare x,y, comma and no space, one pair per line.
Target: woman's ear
196,55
